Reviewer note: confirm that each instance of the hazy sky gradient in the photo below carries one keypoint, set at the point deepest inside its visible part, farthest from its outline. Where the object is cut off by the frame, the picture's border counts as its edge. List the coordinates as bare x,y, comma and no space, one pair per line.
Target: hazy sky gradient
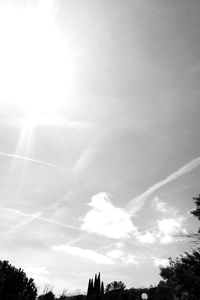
99,137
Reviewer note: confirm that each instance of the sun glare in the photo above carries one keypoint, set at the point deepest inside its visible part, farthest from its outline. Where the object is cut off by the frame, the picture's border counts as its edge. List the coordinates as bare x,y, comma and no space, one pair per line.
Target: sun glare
37,68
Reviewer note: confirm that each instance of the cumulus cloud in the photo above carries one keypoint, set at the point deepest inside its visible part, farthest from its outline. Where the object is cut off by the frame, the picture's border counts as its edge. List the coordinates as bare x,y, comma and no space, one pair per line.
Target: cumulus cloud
105,219
137,203
146,238
160,262
87,254
168,228
164,232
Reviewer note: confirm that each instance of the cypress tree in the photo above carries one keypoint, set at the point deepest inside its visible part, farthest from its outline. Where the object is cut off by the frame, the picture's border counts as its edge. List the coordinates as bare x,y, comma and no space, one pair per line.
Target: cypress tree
102,288
98,284
92,287
95,284
89,288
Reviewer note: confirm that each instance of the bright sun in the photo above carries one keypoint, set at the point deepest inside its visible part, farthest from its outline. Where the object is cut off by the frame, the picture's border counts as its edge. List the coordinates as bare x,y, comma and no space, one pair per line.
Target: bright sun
37,68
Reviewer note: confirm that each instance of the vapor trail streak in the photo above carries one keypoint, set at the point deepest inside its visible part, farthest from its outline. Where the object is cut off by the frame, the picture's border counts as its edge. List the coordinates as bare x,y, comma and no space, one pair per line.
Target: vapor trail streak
37,216
137,203
32,160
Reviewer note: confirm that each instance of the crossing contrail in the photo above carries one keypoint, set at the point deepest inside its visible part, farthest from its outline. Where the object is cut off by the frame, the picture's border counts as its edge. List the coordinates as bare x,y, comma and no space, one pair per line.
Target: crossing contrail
36,216
32,160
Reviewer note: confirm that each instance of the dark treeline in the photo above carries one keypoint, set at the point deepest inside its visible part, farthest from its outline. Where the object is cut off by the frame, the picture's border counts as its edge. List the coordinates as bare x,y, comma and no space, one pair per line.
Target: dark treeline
180,280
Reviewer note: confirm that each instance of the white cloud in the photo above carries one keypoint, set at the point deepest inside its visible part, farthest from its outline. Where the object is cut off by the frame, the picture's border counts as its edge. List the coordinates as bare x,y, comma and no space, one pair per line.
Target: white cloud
137,203
84,253
164,232
168,228
38,273
130,259
84,159
122,256
166,239
106,219
115,254
160,262
163,207
146,238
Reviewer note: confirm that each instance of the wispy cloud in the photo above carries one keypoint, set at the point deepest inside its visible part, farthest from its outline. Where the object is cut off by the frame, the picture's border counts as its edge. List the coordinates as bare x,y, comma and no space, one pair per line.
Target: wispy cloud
137,203
32,160
163,207
38,273
105,219
87,254
121,256
84,159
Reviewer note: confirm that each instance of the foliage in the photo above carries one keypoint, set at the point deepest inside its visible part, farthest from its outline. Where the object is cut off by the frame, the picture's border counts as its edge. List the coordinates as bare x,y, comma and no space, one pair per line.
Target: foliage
14,283
115,285
95,288
183,274
164,291
102,288
48,296
64,295
196,212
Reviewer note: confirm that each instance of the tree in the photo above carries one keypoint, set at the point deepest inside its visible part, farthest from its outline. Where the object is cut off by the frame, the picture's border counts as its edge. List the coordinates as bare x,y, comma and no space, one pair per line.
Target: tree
102,288
195,237
98,285
183,274
90,288
115,285
48,296
196,212
14,283
96,288
164,291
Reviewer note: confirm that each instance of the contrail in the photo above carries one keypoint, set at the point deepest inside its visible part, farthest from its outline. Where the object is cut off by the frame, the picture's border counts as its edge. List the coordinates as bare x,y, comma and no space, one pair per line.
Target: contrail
32,160
23,223
137,203
37,216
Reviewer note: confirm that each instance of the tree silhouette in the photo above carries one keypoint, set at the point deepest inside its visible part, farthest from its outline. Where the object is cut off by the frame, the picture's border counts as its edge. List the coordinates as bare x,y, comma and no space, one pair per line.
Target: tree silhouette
183,274
96,288
48,296
14,283
102,288
90,288
196,211
115,285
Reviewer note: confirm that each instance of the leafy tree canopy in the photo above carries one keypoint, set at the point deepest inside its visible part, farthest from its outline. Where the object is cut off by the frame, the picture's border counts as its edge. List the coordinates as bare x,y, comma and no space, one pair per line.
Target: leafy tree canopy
14,283
183,273
115,285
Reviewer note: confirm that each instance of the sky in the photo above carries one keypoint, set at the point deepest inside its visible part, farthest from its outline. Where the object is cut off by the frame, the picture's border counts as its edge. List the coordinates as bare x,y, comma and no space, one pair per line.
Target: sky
99,137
